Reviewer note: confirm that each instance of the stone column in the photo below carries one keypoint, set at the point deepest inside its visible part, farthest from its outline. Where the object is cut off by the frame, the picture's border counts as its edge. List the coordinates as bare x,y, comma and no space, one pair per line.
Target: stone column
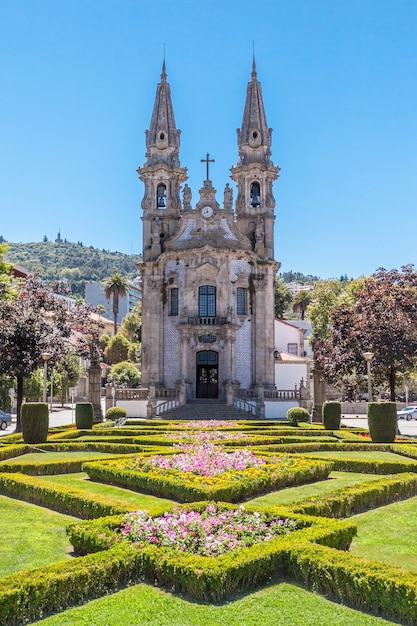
319,383
94,391
260,406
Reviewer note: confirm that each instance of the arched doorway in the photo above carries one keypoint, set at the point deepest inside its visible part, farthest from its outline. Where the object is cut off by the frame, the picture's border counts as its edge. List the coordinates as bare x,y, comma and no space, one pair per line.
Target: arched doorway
207,380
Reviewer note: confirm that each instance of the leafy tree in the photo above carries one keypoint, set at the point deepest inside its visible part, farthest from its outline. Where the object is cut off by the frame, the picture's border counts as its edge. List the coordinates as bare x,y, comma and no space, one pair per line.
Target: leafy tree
67,374
324,298
104,342
131,327
300,303
6,278
381,321
33,386
88,327
114,287
282,298
117,349
32,323
124,373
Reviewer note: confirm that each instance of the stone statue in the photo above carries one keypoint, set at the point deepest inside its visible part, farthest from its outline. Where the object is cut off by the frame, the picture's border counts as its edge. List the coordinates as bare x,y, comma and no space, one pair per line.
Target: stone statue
228,197
186,195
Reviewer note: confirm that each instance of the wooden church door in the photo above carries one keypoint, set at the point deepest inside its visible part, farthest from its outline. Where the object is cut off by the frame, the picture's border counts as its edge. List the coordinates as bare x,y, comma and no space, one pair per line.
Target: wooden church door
207,374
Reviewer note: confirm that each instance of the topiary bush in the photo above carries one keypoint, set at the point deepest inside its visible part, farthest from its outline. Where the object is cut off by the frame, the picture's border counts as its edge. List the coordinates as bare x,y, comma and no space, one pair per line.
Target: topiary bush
35,422
297,414
115,413
382,421
84,415
331,415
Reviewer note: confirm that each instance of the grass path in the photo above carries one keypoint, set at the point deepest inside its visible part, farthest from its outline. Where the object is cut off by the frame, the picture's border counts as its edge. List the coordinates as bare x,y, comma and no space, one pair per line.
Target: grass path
337,480
31,536
388,534
280,604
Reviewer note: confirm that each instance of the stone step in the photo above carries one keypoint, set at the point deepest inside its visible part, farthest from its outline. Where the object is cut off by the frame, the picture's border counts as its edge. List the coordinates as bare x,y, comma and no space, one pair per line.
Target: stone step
206,410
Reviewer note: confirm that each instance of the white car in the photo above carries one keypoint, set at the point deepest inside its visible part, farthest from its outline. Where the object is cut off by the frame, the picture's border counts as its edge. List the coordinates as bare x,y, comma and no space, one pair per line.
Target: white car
408,413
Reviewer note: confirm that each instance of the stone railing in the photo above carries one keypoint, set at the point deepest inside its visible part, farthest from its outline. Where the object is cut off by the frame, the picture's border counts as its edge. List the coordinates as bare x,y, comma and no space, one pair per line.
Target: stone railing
166,406
245,406
195,320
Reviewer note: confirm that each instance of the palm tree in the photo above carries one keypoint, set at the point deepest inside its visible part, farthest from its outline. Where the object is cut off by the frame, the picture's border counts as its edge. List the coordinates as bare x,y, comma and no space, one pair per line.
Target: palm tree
300,303
114,287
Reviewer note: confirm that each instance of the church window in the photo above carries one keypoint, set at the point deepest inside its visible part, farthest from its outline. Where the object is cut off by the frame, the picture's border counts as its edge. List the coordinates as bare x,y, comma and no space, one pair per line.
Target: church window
173,301
292,348
255,195
241,301
207,301
161,196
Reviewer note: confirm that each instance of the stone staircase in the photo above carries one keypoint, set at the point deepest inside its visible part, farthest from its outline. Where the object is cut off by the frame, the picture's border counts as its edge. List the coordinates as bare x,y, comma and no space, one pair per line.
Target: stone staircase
206,410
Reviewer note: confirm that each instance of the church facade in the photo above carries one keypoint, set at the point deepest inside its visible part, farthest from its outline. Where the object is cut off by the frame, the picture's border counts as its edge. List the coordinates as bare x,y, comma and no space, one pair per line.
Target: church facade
208,267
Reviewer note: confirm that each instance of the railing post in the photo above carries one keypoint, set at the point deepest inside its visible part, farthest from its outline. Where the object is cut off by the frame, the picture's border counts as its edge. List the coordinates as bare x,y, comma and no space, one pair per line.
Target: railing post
260,406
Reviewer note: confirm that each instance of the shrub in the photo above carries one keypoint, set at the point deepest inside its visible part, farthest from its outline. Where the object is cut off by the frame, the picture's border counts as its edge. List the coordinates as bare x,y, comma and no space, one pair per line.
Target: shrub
382,421
297,414
84,415
35,422
332,413
115,413
125,373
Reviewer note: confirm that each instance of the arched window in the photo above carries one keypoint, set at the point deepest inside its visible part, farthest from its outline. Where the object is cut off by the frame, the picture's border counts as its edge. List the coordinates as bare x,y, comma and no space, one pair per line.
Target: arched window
161,196
207,301
255,195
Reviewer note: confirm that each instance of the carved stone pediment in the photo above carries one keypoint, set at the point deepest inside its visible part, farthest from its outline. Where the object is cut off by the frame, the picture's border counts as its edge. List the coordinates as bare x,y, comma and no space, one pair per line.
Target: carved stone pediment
208,270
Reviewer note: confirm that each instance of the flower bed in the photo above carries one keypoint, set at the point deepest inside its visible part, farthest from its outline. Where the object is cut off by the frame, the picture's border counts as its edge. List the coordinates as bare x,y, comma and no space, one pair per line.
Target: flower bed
208,472
210,532
206,435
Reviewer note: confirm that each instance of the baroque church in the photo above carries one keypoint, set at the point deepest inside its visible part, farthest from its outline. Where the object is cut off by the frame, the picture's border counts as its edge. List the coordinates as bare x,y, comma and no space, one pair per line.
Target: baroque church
208,266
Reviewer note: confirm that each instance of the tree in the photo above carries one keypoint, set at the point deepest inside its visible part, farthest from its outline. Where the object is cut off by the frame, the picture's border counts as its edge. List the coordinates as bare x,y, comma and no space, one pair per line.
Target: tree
67,374
381,321
300,302
115,286
31,323
124,373
131,326
117,349
282,298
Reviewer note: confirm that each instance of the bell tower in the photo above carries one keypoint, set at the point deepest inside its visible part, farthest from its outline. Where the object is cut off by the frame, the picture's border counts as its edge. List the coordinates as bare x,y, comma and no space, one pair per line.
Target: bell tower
161,174
255,173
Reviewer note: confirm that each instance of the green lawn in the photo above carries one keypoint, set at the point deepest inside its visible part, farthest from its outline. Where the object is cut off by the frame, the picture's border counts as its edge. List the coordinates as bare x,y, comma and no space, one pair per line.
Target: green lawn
359,454
31,536
276,605
81,481
36,457
336,480
388,534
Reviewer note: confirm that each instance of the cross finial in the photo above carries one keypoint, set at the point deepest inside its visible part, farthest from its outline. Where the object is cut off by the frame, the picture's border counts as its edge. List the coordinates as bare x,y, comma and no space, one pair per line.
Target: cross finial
207,160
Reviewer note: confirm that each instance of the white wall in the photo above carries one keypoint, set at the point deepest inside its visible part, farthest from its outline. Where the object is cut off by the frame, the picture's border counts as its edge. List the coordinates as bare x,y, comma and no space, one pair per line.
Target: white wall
287,375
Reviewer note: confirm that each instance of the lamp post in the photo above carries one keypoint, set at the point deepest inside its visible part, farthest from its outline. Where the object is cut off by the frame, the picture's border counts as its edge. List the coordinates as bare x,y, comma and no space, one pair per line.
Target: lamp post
368,356
46,356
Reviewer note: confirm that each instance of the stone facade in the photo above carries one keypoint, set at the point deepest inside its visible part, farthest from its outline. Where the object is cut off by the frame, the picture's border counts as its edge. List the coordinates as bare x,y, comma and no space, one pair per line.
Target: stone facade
208,269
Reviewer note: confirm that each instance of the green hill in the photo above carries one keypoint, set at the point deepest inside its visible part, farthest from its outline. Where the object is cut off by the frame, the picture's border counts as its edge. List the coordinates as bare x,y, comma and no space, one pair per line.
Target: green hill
73,262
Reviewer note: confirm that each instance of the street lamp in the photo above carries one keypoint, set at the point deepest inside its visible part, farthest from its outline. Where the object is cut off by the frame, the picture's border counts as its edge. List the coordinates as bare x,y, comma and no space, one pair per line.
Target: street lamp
368,356
46,356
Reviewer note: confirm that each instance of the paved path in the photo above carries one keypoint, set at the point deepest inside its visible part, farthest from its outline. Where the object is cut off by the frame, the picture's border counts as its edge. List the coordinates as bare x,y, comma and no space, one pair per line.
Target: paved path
64,416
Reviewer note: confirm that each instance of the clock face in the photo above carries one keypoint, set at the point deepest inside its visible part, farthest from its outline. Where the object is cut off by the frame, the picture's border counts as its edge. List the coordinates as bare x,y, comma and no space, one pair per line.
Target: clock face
206,211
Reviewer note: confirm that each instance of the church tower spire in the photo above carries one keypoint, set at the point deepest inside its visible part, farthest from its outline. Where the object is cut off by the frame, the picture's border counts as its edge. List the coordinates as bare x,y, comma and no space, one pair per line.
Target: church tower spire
163,138
255,173
161,174
254,136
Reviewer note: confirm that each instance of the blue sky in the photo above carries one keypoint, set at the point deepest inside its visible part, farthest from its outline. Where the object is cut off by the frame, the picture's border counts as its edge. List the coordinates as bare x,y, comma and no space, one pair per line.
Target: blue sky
339,87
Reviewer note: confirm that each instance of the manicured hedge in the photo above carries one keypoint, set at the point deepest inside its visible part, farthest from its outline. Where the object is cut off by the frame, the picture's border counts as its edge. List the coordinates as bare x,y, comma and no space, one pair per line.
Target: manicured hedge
361,583
357,498
9,452
59,498
244,484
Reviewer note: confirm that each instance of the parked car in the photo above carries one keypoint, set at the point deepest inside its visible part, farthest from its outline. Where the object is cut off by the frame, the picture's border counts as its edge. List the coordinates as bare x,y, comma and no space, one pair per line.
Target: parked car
5,420
408,413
